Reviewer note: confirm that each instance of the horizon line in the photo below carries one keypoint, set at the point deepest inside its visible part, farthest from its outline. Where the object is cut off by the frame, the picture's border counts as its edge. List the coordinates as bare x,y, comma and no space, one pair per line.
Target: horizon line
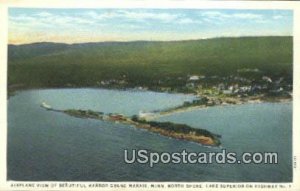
130,41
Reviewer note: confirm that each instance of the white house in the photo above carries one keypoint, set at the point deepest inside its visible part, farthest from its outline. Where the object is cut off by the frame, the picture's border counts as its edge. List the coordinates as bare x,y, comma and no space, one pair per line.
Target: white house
266,78
194,78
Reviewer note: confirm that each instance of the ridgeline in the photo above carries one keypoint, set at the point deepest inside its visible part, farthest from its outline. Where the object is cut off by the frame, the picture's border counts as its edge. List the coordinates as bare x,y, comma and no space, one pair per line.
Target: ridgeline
146,63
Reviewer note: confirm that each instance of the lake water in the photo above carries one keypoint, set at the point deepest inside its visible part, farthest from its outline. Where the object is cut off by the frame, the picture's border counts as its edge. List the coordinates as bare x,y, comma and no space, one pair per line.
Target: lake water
46,145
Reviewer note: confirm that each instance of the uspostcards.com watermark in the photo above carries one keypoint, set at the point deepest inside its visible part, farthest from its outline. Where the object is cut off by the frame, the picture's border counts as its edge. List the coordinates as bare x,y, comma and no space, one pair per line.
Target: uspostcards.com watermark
144,156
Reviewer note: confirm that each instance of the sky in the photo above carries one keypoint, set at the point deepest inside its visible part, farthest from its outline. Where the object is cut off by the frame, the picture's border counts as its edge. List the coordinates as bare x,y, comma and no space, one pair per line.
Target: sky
27,25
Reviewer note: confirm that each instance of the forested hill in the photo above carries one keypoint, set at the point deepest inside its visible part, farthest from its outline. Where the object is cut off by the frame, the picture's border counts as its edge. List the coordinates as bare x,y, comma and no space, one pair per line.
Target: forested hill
147,63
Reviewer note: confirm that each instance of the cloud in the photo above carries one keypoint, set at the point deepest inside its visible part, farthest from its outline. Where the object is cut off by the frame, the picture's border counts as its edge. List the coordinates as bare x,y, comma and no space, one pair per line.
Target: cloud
133,15
21,18
45,19
43,14
101,16
216,15
188,21
144,23
277,17
164,17
247,16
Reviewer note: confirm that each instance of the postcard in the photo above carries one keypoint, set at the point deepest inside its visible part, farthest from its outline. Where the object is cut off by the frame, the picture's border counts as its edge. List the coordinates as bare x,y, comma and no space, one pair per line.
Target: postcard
137,95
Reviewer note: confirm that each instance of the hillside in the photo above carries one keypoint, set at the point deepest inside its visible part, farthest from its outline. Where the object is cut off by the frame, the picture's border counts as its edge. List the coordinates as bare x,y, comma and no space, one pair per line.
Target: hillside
144,63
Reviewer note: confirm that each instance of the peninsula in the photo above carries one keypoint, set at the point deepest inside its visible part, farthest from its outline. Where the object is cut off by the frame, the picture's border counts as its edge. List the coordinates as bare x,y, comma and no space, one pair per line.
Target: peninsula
168,129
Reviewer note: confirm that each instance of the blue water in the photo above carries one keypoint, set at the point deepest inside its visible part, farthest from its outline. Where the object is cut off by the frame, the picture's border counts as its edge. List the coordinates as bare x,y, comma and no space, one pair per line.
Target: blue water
45,145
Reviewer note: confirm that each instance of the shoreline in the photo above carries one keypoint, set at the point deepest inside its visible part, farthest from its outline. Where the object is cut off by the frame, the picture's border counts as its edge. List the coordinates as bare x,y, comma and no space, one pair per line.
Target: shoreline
13,91
181,109
177,109
167,129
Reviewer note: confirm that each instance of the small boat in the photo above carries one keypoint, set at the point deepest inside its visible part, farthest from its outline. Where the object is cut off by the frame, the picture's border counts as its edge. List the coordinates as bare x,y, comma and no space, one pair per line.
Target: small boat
45,105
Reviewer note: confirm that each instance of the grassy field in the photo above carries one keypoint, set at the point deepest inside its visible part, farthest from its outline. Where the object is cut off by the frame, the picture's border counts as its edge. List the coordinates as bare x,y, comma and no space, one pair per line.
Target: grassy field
145,63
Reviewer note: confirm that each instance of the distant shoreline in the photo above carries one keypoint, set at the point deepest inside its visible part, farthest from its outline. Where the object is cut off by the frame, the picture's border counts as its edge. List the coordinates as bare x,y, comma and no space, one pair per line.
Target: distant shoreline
177,109
193,108
13,91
